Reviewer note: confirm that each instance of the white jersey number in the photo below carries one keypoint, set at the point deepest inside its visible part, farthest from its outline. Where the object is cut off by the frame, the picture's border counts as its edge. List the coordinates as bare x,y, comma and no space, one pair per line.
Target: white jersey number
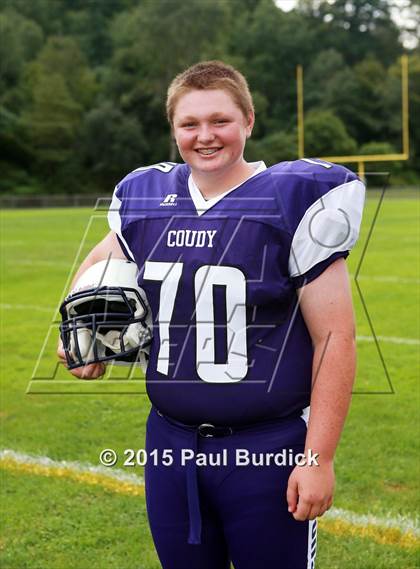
206,278
326,165
164,167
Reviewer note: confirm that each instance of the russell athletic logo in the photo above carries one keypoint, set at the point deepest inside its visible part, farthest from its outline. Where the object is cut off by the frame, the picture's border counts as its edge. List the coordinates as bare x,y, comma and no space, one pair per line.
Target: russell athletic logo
169,200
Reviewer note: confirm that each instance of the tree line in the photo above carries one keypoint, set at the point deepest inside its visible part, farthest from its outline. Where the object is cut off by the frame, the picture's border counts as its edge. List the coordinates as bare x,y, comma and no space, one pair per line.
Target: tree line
83,83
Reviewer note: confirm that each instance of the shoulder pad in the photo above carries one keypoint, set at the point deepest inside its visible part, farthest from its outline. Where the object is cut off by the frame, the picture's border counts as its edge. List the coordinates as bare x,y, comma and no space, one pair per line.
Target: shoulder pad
151,171
316,169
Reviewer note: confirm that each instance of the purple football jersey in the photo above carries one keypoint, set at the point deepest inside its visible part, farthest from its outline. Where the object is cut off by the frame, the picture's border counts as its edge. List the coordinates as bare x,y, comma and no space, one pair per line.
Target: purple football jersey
230,344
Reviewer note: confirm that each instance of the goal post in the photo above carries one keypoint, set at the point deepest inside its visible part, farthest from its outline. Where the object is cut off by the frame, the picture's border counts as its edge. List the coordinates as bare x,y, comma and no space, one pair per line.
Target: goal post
362,158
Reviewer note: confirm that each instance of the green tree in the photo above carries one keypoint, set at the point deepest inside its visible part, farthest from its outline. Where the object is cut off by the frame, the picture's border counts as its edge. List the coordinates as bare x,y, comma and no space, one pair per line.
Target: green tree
320,71
53,119
358,95
355,28
370,89
15,158
269,44
112,144
89,23
272,148
63,56
62,88
339,98
326,135
20,41
414,103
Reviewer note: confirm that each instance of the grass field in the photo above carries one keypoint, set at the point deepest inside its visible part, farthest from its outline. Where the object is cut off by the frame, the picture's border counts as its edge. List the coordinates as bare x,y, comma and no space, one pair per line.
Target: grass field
54,520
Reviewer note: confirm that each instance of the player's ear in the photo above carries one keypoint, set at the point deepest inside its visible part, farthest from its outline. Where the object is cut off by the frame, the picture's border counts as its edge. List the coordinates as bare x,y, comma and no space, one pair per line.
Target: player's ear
250,123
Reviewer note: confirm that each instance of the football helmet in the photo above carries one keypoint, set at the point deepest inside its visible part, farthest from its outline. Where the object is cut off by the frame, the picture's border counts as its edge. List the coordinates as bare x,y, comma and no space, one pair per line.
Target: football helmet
106,317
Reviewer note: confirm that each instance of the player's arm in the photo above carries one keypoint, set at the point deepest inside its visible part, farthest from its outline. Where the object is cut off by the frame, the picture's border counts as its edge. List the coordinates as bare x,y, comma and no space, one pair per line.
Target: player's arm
326,306
108,247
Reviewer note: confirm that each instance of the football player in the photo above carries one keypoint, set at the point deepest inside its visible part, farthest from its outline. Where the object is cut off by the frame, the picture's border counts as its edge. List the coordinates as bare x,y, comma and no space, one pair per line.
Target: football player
243,267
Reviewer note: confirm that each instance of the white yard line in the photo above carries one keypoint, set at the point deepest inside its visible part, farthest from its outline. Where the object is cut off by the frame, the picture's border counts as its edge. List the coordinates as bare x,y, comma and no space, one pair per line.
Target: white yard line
401,523
6,306
75,466
387,279
390,340
38,263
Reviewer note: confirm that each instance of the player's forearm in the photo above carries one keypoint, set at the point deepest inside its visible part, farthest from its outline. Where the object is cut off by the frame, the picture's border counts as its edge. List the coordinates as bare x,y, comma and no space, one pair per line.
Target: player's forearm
334,369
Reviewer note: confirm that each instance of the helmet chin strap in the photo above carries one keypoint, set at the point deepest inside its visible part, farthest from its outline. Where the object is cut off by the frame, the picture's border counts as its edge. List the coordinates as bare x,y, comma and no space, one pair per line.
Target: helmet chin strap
133,337
111,340
137,334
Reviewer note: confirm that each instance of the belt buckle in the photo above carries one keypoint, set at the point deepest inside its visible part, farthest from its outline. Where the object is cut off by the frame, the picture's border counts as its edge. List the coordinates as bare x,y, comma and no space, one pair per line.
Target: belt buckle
205,430
208,430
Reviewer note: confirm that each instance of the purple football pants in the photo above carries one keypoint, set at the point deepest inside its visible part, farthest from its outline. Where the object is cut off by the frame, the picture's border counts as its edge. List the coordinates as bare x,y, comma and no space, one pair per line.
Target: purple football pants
204,516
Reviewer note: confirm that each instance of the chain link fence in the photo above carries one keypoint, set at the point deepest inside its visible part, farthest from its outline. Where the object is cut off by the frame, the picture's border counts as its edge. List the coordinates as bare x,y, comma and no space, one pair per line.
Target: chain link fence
44,201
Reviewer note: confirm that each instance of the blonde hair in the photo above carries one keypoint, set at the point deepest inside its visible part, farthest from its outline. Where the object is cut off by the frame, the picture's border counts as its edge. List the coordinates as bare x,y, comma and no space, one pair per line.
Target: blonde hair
210,75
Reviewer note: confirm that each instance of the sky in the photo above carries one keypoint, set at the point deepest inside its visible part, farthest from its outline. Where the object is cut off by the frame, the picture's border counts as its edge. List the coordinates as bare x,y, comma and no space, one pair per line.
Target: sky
400,14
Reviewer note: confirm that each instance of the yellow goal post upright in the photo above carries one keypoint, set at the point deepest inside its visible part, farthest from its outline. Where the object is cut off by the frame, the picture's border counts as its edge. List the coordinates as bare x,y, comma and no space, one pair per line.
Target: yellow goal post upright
363,158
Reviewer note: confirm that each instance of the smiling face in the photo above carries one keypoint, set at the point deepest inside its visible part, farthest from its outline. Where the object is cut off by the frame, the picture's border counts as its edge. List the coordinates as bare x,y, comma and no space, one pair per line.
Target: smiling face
210,131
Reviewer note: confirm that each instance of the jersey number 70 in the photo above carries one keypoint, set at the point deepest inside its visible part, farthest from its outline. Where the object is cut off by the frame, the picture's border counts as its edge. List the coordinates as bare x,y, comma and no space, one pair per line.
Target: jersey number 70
233,279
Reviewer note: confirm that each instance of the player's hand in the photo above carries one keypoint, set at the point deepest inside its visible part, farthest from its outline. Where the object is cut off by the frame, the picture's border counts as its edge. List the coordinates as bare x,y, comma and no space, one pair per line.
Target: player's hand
310,491
90,371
